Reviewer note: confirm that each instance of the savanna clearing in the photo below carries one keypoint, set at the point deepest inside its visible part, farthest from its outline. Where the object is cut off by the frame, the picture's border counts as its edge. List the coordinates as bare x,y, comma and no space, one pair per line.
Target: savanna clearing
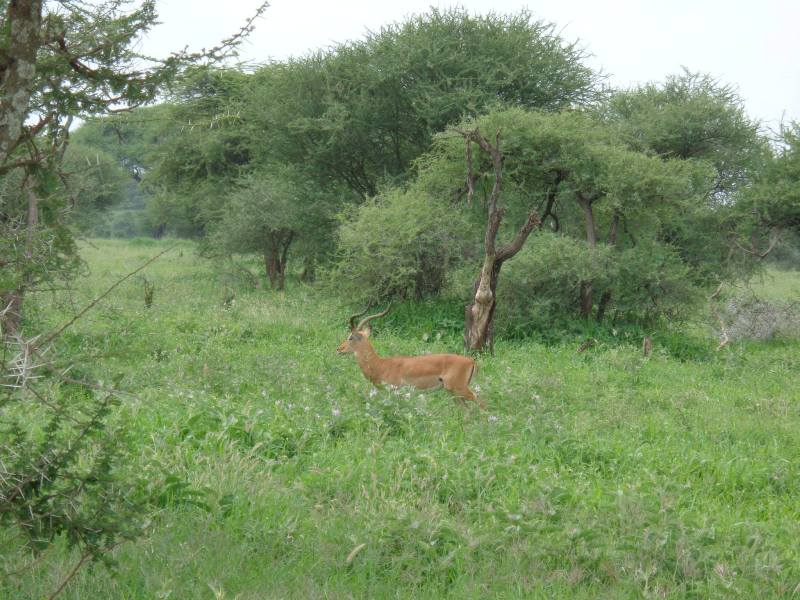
599,474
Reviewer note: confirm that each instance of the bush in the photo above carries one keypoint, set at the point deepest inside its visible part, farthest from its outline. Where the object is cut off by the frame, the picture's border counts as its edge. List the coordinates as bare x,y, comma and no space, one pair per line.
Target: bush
400,245
755,319
541,286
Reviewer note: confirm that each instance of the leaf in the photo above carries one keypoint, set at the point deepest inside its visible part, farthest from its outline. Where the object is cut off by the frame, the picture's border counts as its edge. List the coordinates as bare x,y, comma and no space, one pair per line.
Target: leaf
354,552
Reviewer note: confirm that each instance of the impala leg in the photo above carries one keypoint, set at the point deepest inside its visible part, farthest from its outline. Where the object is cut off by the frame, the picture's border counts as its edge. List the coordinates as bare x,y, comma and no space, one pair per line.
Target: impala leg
463,393
470,395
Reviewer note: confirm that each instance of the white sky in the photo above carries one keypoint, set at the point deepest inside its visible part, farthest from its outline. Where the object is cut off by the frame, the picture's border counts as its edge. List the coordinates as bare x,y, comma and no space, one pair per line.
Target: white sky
752,44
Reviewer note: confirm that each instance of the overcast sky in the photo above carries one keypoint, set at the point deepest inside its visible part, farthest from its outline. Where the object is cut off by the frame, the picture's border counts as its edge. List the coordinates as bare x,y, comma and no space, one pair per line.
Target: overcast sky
752,44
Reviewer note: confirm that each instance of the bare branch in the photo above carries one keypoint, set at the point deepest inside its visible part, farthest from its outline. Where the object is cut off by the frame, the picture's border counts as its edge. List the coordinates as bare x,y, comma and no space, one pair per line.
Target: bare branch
94,302
774,238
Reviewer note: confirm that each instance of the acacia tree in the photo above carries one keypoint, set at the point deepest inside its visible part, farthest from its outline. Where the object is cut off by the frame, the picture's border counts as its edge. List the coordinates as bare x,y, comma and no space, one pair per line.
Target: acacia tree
61,60
271,211
362,112
59,456
570,173
480,312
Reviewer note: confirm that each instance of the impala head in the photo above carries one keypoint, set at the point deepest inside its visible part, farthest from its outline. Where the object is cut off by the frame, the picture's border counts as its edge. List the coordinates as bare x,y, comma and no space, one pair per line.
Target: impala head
359,333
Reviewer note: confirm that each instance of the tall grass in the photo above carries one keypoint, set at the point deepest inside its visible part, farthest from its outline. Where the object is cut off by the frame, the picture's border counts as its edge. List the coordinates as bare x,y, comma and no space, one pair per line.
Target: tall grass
600,474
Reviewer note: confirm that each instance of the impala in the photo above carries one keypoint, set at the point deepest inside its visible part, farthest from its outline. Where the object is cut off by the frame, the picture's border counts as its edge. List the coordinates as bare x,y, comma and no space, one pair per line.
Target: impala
453,372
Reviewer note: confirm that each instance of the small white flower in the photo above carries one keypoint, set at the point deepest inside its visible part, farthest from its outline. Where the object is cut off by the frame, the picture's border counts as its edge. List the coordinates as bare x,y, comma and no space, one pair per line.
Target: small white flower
264,393
492,419
373,392
336,412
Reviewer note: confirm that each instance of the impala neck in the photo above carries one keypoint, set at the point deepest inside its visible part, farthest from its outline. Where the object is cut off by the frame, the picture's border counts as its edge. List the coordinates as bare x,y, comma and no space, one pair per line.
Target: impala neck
367,359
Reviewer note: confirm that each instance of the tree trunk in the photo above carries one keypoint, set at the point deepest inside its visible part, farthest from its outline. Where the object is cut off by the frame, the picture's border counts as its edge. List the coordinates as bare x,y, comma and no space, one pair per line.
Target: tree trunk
18,71
11,302
309,272
605,299
479,314
275,257
271,265
587,291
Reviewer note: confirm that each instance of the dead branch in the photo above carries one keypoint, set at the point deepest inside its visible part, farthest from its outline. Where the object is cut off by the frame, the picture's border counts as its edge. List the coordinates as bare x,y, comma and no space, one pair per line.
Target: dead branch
94,302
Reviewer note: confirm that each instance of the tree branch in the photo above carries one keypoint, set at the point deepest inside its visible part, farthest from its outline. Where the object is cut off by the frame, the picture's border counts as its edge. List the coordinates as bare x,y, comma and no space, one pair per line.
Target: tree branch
94,302
774,238
515,245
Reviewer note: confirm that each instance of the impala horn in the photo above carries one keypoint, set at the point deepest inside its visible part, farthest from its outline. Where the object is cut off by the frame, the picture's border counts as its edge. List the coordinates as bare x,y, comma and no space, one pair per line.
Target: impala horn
369,318
354,317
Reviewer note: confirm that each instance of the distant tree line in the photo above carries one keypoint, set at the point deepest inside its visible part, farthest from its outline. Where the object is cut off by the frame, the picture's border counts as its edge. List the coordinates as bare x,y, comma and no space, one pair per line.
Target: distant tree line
386,165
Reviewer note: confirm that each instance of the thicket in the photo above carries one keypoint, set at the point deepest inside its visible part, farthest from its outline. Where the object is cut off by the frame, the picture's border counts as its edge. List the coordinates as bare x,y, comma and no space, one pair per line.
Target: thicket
350,162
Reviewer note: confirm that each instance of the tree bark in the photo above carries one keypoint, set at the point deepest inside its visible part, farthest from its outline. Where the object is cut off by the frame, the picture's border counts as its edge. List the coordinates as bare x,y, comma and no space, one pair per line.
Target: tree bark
587,290
18,71
309,271
11,302
479,314
275,257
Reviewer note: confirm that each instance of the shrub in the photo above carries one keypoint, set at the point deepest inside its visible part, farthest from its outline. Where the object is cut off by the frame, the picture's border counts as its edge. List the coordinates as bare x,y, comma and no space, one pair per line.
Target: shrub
755,319
400,245
542,285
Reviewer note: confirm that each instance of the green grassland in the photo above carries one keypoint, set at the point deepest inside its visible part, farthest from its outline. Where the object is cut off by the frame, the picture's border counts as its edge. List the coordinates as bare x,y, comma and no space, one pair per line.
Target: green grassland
600,474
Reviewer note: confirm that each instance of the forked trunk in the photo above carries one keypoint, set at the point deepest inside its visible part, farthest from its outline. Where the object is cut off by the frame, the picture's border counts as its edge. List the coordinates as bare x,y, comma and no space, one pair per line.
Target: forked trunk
479,315
275,257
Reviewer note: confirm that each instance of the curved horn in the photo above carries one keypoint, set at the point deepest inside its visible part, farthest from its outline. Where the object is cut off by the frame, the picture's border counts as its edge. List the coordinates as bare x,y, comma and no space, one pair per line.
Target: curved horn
354,317
369,318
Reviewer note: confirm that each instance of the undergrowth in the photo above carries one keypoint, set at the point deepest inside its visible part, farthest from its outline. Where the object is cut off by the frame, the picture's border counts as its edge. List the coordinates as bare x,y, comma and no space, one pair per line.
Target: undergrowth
283,473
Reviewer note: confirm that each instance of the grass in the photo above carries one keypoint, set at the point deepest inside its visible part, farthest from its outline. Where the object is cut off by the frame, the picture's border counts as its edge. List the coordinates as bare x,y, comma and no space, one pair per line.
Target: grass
602,474
778,285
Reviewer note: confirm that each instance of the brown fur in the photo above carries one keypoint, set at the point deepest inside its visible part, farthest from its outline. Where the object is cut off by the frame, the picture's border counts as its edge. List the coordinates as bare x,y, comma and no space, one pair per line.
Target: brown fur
450,371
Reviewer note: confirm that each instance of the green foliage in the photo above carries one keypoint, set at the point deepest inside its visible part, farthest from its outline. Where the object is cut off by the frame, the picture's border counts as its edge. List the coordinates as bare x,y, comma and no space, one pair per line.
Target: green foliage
272,210
133,138
269,459
265,203
540,288
208,147
647,254
361,112
399,245
774,201
692,116
97,183
61,473
39,258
